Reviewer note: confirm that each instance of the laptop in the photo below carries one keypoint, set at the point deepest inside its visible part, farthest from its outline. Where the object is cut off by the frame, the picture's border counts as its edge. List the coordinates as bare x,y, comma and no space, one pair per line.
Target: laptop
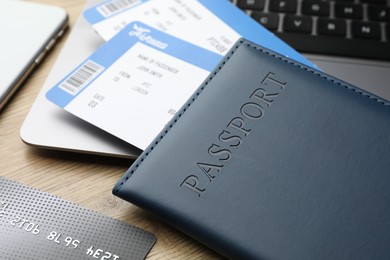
352,37
48,126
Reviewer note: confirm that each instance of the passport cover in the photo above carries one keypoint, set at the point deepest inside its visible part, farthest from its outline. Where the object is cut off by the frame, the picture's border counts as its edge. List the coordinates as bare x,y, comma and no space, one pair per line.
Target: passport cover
271,159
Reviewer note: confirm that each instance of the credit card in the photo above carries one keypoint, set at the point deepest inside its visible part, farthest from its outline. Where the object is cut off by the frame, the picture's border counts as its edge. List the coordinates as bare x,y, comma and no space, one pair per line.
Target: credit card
37,225
134,84
215,25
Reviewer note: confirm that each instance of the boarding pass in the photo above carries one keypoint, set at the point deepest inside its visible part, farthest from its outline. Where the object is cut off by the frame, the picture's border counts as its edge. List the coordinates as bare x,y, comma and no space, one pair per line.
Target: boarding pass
211,24
134,84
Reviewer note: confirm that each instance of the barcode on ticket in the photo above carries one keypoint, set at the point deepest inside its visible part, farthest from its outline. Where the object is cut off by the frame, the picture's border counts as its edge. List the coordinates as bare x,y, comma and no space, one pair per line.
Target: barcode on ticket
116,6
81,77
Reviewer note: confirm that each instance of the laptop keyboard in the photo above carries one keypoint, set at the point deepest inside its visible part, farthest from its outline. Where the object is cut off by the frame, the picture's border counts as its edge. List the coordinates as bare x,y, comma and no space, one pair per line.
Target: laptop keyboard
353,28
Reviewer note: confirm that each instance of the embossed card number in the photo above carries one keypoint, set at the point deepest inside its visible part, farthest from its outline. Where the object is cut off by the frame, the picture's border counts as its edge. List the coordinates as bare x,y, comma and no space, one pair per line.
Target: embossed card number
37,225
3,207
55,237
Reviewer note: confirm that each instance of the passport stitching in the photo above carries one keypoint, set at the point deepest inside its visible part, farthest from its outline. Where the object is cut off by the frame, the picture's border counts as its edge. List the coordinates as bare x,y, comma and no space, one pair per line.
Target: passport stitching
140,160
320,74
177,117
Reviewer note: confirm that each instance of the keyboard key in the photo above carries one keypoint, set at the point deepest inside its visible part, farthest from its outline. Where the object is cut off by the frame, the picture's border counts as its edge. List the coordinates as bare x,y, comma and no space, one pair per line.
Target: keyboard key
335,27
337,45
319,8
339,31
293,23
375,1
284,6
347,10
367,30
269,20
388,32
379,12
251,4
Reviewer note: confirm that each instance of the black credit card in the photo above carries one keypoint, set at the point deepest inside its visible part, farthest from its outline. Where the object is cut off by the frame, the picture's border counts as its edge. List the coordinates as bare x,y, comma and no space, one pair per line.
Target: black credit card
37,225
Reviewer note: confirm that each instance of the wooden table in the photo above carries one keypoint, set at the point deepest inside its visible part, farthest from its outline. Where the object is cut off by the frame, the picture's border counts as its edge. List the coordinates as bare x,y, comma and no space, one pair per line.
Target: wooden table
83,179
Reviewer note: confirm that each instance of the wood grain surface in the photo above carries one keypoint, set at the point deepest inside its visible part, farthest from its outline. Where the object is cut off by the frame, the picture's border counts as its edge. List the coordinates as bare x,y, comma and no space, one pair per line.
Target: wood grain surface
83,179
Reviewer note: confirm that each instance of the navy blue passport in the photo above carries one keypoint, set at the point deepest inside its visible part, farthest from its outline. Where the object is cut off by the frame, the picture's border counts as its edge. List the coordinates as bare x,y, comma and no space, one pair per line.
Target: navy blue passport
271,159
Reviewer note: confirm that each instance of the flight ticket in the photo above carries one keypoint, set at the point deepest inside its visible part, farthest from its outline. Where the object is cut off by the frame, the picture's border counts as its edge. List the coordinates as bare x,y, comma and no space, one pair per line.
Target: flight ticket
215,25
134,84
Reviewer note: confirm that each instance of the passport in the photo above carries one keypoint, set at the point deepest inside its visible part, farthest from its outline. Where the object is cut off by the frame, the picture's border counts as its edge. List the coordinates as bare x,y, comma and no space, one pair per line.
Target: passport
270,159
